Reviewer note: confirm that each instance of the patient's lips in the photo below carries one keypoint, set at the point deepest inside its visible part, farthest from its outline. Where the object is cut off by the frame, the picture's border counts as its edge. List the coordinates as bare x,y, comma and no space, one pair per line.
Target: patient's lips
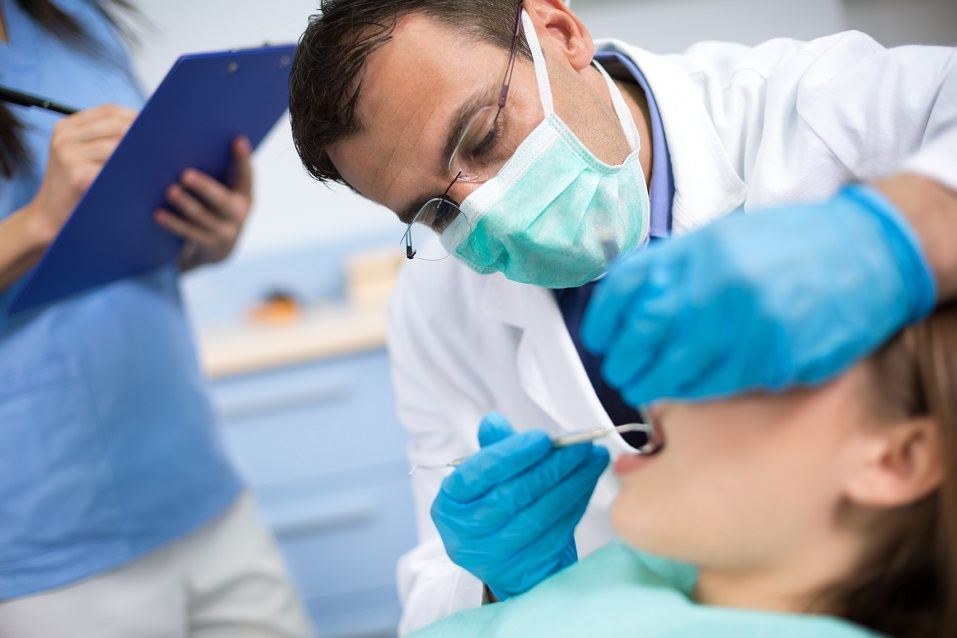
627,463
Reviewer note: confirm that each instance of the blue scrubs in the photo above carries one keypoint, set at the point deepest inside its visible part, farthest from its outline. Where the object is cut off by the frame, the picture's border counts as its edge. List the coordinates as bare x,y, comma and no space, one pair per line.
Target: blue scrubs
572,302
107,441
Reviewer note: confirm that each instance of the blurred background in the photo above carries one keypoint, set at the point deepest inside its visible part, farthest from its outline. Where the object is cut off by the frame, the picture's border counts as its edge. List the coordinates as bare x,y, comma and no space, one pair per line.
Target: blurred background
291,329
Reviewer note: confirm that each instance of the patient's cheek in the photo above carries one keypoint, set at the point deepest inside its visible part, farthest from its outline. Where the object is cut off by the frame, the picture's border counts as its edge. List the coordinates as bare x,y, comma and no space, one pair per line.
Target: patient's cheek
620,515
626,514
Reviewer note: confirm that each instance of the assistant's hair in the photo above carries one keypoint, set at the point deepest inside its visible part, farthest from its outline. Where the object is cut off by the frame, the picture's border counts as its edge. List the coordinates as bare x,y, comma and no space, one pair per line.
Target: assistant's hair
907,584
326,77
14,154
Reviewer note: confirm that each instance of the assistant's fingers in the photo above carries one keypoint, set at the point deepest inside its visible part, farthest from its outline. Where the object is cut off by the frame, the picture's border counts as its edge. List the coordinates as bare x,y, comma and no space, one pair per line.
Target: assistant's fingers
193,209
97,151
81,119
242,176
182,228
220,200
111,127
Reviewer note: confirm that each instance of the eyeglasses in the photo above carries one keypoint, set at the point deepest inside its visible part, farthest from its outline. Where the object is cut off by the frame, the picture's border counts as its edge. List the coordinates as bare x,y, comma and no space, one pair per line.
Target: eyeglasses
439,216
482,149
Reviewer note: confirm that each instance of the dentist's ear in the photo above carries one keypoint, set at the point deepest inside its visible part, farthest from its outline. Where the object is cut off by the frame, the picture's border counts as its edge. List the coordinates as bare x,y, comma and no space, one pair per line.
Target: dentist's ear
565,32
900,464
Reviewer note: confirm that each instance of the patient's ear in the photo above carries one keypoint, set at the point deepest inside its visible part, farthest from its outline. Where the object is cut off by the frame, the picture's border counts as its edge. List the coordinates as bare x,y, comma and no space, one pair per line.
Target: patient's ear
898,464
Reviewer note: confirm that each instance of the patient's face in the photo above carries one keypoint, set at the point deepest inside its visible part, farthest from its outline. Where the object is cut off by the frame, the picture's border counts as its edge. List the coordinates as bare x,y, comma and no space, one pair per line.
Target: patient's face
742,482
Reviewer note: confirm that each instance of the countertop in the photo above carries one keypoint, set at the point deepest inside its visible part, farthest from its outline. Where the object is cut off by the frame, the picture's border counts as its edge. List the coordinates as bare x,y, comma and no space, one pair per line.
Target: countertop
248,347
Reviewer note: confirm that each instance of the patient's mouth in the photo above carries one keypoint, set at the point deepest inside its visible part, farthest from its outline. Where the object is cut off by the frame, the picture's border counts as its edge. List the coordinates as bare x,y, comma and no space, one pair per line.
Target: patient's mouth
628,463
653,443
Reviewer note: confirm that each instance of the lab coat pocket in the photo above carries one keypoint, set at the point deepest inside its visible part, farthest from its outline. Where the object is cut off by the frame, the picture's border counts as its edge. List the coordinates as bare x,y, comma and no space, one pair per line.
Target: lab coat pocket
55,480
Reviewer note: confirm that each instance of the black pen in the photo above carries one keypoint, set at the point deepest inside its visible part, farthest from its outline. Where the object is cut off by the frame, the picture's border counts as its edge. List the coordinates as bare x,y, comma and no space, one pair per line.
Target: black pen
25,99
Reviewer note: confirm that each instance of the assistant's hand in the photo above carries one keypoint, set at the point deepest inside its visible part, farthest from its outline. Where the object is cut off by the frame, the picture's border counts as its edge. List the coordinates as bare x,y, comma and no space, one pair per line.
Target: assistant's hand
508,514
212,214
760,301
80,145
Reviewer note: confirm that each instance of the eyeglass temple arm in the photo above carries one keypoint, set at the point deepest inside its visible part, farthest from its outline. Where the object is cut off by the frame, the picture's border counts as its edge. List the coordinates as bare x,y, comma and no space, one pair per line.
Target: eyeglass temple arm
409,251
511,59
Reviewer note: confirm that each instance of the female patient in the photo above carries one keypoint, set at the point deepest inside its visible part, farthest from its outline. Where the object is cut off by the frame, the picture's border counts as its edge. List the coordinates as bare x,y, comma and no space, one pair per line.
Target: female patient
826,512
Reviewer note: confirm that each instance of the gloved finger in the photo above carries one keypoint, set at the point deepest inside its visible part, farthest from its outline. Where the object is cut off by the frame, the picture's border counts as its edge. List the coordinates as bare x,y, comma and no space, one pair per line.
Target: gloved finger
542,556
493,428
496,463
554,505
612,297
503,501
734,370
691,345
602,458
639,340
711,382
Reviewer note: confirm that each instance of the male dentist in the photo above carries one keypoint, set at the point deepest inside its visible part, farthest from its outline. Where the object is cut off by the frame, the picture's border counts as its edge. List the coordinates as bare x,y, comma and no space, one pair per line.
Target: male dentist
535,155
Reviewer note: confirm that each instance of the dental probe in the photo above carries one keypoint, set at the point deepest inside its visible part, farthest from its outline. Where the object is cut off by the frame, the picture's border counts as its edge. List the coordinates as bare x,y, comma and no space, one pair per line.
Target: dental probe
575,438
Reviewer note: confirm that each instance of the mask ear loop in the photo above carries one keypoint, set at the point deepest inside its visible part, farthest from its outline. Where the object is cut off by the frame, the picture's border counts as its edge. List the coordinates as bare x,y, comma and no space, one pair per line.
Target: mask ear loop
538,60
628,126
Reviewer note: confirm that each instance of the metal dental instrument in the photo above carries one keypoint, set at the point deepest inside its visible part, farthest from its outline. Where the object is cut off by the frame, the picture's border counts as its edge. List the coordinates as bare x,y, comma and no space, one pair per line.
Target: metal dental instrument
609,248
652,446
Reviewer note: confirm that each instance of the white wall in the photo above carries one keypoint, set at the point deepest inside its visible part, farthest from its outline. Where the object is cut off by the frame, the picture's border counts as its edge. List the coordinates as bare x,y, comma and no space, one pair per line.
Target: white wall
292,210
669,26
895,22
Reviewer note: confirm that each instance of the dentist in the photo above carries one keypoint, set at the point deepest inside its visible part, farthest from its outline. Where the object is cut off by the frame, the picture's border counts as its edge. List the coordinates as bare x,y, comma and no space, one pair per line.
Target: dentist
525,148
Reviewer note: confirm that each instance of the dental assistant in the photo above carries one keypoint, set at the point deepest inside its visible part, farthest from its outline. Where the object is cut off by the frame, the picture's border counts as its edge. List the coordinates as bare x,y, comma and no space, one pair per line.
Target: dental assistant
521,162
119,513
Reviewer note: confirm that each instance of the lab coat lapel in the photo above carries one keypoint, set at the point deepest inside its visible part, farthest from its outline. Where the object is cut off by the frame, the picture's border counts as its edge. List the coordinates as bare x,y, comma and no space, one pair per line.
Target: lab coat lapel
549,368
706,187
706,184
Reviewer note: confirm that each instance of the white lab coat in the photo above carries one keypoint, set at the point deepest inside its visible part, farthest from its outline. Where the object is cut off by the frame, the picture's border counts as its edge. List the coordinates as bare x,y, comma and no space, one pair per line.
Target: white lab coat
746,127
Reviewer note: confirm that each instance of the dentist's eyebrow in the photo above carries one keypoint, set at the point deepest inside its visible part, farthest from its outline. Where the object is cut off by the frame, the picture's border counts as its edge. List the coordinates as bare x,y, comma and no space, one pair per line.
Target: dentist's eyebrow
460,119
468,109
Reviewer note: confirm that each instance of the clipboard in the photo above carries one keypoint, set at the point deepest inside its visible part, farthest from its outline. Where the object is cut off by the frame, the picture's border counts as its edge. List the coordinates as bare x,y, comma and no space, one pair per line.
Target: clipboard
202,104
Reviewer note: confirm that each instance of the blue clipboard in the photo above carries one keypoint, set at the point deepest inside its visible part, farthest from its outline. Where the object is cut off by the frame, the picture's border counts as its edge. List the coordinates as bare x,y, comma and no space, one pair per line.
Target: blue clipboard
203,103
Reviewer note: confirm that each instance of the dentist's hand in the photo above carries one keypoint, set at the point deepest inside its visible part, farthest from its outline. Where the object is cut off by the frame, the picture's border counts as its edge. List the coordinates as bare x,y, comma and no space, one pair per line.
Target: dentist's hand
760,301
508,514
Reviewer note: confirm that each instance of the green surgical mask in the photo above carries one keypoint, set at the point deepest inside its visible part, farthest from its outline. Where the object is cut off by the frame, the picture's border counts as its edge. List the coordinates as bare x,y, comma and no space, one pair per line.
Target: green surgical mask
554,213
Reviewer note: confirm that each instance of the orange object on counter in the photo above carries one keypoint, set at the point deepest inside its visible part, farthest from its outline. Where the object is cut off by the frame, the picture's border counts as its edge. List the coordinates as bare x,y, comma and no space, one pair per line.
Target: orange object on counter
277,308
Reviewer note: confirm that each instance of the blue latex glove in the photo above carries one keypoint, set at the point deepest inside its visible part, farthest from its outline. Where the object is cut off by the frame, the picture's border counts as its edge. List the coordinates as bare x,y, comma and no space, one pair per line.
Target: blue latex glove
508,513
761,301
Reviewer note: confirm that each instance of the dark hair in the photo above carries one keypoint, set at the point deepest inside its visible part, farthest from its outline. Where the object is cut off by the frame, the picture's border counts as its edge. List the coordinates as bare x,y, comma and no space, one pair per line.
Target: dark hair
907,583
14,154
325,82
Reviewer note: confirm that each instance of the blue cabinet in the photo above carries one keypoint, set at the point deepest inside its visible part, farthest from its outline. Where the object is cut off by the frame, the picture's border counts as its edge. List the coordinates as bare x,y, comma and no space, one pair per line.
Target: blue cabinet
320,446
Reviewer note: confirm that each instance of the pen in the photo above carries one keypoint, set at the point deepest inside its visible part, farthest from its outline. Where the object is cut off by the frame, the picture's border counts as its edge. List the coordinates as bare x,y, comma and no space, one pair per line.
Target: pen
25,99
